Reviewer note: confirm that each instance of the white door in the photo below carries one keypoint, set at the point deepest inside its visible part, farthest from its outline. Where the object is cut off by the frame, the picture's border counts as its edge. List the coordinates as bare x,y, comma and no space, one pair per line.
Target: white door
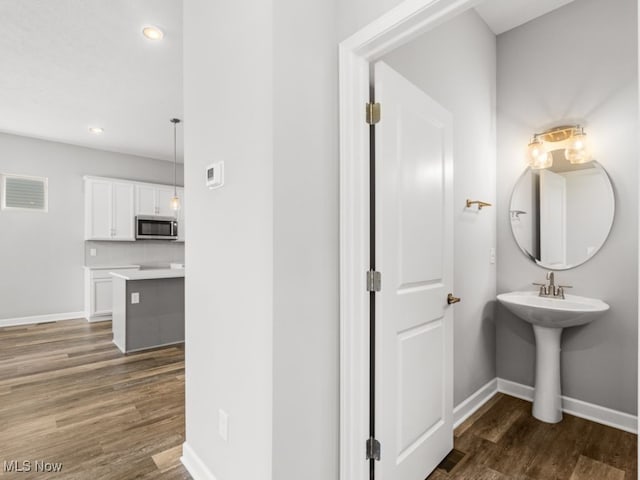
146,200
98,210
414,253
123,212
553,237
164,196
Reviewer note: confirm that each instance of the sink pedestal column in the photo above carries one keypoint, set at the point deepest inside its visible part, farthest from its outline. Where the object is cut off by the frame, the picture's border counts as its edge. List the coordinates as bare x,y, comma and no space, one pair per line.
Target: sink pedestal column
547,401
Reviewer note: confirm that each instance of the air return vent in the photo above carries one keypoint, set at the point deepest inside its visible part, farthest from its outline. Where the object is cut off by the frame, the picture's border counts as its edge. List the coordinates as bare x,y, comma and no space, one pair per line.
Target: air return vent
24,193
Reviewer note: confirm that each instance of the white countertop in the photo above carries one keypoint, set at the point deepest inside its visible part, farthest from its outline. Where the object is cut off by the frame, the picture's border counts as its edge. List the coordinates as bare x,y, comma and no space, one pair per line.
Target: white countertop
112,267
150,274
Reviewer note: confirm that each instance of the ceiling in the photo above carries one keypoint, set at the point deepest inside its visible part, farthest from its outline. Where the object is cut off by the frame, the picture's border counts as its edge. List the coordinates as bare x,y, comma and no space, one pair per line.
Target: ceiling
503,15
68,65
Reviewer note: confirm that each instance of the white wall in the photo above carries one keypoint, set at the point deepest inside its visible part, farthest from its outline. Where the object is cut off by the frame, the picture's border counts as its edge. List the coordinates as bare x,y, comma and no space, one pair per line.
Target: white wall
42,254
444,73
355,14
228,75
262,291
595,84
306,279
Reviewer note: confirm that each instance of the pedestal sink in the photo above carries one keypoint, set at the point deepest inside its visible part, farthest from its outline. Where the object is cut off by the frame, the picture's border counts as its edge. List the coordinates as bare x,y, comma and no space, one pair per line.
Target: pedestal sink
549,316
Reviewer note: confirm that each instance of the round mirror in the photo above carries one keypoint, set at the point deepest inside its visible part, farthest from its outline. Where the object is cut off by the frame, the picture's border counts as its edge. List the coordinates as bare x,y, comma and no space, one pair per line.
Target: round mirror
561,216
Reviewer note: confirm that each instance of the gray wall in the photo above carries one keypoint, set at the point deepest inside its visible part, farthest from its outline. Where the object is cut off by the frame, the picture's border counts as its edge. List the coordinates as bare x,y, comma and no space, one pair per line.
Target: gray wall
444,75
594,82
42,254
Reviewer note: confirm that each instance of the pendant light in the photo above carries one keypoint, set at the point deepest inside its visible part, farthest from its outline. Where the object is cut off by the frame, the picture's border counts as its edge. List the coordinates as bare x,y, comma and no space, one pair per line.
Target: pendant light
175,201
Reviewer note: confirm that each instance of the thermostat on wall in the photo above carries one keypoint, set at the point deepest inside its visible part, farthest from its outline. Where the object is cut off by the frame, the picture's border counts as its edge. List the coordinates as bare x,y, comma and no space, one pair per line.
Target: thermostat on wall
215,175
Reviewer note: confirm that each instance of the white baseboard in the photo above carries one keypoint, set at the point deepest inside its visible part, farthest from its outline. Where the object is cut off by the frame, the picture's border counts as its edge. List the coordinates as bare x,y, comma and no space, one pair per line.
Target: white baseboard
54,317
194,464
518,390
469,406
578,408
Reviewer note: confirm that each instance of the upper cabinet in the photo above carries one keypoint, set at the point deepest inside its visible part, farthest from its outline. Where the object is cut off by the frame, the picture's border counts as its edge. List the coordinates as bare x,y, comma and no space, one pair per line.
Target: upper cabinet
154,200
111,206
109,212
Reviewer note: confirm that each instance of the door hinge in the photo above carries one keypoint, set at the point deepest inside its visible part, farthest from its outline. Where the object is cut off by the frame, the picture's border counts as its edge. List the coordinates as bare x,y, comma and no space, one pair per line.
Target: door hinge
373,113
374,281
373,449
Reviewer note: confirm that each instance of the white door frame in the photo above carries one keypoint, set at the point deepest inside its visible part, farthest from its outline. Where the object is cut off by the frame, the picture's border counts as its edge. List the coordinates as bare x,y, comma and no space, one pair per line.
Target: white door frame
397,27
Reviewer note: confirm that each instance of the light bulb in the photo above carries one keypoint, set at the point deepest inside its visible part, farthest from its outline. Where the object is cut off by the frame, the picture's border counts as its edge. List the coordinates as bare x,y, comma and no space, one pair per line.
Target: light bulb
578,149
175,203
152,33
537,155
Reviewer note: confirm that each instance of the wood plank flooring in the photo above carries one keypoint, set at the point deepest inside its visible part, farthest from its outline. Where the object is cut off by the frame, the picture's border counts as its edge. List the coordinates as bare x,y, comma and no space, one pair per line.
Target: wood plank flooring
503,441
67,395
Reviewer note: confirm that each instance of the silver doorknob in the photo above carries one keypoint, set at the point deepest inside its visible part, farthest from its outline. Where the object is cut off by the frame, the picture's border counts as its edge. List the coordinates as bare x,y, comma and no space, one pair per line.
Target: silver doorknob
451,299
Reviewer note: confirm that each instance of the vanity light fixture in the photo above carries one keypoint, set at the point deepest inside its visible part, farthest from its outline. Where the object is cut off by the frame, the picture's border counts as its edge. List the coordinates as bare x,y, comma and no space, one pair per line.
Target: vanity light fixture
175,201
96,130
570,137
578,149
152,33
537,155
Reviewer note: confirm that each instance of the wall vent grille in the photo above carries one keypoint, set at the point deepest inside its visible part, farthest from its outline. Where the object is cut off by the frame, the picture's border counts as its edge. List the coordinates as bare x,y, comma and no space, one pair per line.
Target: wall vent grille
24,193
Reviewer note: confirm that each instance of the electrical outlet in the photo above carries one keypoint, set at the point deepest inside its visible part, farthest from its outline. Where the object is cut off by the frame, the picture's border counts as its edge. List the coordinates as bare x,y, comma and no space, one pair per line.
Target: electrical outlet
135,297
223,425
93,252
492,255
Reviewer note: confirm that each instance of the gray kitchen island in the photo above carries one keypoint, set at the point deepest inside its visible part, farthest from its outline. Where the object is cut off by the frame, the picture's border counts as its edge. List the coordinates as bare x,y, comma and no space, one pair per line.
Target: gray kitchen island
148,308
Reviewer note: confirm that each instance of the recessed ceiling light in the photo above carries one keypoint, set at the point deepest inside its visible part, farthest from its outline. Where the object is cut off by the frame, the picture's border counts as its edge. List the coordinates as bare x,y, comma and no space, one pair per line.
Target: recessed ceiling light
152,33
96,130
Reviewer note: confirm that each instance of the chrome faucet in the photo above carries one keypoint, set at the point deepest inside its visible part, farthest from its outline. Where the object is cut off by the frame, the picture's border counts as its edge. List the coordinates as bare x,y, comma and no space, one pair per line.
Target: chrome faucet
550,289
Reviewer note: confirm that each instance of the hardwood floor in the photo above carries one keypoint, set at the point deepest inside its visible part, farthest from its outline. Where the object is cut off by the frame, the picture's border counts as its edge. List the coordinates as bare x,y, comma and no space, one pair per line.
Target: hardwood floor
503,441
67,395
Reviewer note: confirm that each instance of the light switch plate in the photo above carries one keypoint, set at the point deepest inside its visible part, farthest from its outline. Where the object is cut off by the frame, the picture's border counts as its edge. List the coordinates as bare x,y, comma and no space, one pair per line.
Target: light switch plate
223,425
135,297
492,255
93,252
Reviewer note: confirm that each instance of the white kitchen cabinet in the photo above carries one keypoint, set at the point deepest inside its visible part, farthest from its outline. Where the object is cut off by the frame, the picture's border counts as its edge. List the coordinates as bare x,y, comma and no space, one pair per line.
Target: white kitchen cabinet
123,212
154,200
109,210
101,293
146,202
164,195
98,195
98,294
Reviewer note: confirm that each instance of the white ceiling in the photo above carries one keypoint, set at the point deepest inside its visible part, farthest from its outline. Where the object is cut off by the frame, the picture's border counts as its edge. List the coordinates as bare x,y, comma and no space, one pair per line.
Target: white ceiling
503,15
67,65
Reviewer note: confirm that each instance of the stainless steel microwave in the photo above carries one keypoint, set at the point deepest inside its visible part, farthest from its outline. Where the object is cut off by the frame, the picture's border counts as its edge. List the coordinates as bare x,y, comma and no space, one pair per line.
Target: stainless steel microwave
151,227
